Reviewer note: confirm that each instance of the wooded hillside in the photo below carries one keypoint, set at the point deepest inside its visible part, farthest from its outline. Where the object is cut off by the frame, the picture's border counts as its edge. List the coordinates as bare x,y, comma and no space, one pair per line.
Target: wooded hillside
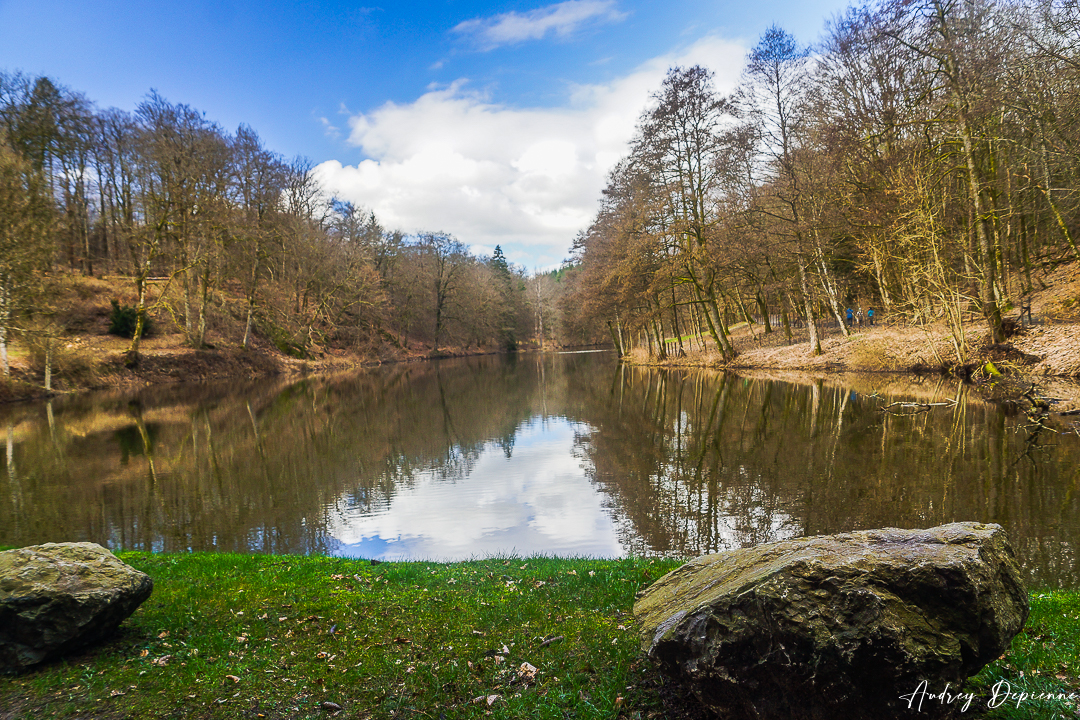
207,228
921,162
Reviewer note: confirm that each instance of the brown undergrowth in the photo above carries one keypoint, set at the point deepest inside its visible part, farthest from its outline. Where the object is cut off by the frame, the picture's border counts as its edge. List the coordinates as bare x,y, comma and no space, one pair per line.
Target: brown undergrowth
85,356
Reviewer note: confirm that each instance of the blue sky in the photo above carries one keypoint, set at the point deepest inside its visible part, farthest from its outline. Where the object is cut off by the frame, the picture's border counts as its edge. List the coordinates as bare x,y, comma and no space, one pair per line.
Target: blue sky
496,122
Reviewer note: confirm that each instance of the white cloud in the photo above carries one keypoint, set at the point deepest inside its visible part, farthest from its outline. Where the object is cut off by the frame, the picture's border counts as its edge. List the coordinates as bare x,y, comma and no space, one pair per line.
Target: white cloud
560,19
525,178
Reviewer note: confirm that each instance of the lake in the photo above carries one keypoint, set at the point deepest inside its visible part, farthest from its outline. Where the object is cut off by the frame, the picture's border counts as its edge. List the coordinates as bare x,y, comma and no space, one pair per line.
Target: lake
567,454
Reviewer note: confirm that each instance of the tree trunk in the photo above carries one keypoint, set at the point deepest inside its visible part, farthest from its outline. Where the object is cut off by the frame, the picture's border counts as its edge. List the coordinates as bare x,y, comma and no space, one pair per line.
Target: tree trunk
808,304
5,320
48,364
763,306
615,339
829,285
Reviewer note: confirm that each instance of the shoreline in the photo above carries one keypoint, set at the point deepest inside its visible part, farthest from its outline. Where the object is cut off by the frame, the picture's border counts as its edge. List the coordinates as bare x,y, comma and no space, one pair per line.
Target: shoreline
1044,356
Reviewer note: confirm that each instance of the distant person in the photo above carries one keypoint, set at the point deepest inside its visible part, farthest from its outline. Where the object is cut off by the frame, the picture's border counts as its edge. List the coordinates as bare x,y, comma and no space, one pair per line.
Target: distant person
850,316
858,315
870,316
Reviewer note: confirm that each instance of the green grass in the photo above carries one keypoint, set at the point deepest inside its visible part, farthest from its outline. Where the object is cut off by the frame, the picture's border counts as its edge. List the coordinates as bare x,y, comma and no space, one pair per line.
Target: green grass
1044,658
257,636
252,636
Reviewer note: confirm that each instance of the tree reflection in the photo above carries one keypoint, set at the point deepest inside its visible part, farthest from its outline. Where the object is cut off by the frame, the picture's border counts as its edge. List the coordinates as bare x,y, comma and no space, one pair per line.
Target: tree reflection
688,462
701,462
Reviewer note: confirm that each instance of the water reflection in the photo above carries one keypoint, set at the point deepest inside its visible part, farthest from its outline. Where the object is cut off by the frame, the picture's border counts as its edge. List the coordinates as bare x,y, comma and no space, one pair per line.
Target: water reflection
563,454
531,498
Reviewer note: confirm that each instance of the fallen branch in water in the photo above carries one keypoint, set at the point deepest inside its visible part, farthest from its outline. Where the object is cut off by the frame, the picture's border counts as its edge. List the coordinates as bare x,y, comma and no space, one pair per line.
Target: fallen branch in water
912,408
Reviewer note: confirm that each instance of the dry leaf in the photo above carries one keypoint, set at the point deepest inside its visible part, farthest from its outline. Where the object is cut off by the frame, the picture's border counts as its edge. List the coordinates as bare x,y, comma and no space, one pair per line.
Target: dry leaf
233,678
527,672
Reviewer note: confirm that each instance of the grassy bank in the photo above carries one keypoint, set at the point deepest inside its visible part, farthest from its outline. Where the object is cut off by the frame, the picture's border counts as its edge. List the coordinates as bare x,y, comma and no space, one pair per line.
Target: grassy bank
238,636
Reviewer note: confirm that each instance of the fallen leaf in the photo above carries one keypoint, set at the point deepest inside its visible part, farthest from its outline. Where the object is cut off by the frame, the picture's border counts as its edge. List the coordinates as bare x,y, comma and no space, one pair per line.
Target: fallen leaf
571,572
116,693
527,672
331,706
233,678
163,634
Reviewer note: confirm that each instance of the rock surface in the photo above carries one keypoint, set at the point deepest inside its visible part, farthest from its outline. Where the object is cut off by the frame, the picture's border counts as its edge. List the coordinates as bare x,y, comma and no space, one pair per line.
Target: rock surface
58,597
836,626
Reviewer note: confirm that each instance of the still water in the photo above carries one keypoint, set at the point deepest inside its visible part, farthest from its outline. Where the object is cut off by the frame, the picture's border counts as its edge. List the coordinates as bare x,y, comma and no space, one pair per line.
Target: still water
565,454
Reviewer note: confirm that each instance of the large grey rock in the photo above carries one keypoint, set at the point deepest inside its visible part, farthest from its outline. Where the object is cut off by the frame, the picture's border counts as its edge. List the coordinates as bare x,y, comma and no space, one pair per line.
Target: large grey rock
836,626
57,597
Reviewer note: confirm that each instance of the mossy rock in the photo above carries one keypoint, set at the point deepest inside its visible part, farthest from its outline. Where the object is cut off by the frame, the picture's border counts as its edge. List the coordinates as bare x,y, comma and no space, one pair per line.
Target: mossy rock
838,625
59,597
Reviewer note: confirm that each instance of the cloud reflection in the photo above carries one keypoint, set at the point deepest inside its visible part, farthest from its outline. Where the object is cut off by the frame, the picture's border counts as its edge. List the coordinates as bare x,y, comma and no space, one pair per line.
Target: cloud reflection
538,501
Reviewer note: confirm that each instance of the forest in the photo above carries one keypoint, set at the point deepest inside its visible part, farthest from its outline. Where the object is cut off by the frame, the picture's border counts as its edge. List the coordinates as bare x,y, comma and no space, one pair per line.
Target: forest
204,228
922,160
